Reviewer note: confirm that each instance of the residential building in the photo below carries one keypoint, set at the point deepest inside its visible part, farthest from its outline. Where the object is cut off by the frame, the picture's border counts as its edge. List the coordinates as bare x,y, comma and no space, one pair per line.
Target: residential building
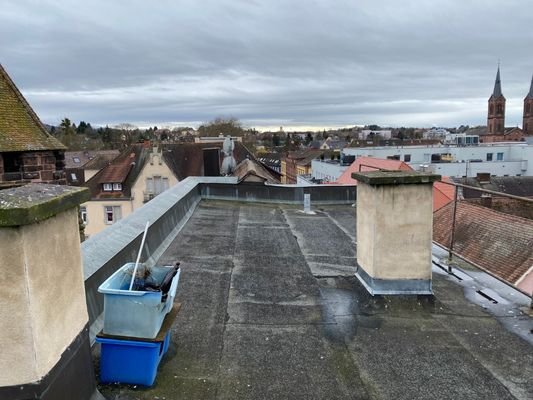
271,160
215,139
435,133
326,171
368,134
142,172
333,144
298,163
521,186
80,166
28,153
251,171
461,139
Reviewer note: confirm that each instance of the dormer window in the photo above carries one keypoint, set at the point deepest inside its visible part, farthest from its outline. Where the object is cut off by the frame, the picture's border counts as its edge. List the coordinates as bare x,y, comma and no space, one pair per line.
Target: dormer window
108,187
117,186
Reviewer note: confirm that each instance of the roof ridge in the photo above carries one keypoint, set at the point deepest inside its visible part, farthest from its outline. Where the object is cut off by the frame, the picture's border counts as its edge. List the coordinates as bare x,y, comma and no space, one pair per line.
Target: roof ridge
495,211
25,104
35,136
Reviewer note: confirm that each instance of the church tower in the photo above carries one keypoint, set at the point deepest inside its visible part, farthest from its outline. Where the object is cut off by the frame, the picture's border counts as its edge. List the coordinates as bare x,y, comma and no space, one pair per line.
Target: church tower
527,125
496,117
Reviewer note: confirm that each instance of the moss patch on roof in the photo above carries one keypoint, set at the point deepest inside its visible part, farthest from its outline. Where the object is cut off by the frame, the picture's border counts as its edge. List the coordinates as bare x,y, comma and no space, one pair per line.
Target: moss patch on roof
20,128
36,202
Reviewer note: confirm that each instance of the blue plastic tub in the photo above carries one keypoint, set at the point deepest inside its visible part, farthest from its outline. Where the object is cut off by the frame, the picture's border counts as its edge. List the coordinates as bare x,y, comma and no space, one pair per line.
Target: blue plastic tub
135,313
130,361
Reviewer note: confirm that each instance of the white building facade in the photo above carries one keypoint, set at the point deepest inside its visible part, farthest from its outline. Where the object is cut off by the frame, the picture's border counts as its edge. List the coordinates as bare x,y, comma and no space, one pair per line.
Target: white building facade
498,159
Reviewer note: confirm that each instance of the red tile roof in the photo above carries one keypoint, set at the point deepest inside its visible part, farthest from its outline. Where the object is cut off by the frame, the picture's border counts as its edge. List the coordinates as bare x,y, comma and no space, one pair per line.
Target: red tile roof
371,164
498,242
20,128
442,193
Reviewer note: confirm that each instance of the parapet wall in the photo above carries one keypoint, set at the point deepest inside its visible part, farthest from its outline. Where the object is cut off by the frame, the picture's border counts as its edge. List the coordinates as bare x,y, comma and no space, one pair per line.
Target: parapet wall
167,213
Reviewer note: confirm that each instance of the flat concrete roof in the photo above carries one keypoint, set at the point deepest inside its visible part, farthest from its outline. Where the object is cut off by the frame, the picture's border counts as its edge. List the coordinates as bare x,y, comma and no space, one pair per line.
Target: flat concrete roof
271,309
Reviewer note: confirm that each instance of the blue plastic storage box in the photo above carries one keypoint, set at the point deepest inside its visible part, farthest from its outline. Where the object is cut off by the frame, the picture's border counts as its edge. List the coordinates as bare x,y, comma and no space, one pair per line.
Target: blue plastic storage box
135,313
130,361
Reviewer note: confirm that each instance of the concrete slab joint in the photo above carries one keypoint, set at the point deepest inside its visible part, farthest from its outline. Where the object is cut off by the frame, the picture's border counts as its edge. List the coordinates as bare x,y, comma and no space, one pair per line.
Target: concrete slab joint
394,231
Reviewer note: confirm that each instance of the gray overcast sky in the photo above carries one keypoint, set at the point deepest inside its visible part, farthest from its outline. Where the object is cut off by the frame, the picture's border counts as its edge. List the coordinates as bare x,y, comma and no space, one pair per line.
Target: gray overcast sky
268,62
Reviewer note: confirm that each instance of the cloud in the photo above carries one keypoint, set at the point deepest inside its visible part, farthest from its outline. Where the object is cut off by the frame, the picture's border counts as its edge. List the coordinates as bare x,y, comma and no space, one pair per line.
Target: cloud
318,63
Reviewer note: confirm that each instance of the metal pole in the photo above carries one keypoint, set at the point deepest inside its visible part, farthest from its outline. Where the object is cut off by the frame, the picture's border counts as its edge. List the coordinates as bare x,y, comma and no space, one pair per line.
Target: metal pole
139,255
452,238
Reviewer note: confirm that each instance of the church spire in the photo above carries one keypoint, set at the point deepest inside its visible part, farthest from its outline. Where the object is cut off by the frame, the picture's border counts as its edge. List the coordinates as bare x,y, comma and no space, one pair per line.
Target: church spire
530,94
497,85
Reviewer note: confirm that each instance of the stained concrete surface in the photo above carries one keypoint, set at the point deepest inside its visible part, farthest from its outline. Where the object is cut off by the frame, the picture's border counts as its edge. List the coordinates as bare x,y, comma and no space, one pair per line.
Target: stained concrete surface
271,310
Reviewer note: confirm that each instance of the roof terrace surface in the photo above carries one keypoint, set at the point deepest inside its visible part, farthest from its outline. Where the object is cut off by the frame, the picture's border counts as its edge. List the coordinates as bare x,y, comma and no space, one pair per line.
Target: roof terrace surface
271,310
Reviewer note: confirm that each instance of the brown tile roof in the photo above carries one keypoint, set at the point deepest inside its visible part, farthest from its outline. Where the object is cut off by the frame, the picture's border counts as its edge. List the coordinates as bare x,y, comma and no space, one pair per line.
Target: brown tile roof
248,167
117,172
20,128
187,159
124,169
515,185
498,242
304,157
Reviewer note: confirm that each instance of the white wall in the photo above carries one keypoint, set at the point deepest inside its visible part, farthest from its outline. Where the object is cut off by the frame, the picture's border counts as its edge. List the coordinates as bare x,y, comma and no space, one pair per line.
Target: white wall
517,158
325,170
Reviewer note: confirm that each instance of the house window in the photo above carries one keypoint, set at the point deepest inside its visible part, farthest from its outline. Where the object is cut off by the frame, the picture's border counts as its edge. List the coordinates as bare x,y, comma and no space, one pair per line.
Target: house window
76,160
499,156
149,185
117,186
407,157
108,187
73,177
83,214
112,214
489,156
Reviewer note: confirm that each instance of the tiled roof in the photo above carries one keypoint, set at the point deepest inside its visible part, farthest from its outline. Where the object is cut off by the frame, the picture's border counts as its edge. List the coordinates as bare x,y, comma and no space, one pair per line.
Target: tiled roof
188,159
515,185
124,169
249,167
20,128
77,159
498,242
117,172
371,164
442,193
102,159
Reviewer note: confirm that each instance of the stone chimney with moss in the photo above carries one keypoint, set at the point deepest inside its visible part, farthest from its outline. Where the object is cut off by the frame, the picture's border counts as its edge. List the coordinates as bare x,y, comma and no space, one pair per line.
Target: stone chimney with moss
44,330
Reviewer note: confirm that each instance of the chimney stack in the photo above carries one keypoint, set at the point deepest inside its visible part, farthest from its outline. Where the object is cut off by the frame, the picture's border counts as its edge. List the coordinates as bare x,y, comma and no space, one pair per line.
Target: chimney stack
394,231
